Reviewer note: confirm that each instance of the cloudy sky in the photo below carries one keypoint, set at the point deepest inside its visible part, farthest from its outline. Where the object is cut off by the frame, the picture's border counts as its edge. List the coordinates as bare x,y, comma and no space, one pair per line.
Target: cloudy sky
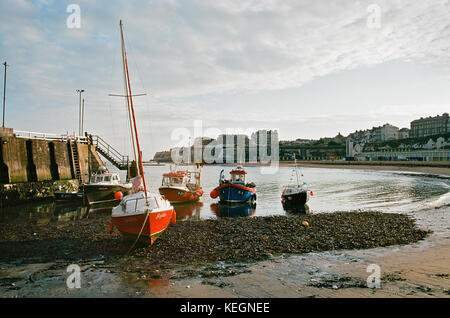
307,68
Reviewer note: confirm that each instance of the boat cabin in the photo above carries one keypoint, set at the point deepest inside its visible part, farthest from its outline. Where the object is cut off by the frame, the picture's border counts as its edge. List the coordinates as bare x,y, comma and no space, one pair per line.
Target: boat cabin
105,178
175,178
238,175
292,189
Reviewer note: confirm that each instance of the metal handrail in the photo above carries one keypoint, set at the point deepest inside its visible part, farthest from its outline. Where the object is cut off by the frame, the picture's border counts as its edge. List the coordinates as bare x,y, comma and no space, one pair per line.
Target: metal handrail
49,136
109,150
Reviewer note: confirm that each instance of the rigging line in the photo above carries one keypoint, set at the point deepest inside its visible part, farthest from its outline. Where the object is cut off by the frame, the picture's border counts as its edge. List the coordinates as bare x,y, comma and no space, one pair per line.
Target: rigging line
140,233
127,90
148,122
135,129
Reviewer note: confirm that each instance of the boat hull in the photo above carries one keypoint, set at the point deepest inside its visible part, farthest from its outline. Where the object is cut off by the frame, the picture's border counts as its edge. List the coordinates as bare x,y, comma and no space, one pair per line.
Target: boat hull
177,195
96,193
234,193
69,196
298,198
148,228
232,210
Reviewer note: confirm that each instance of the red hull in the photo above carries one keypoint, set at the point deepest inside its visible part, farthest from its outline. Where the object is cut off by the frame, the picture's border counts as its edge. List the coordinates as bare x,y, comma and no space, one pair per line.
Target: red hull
155,224
179,196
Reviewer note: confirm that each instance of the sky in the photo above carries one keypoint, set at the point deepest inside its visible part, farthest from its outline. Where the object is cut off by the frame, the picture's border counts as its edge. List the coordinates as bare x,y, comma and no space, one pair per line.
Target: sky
309,69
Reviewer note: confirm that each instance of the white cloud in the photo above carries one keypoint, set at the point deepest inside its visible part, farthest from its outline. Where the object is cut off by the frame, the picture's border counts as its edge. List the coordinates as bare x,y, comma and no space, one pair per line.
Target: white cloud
183,50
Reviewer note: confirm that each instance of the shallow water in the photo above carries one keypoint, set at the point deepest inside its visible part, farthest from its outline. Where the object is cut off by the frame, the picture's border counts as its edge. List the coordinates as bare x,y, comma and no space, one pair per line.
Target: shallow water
333,189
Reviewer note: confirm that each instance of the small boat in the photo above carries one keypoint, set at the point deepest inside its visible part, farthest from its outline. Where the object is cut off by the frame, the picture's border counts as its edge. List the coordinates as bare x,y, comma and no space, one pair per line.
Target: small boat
140,214
181,186
143,215
103,187
295,194
74,196
236,189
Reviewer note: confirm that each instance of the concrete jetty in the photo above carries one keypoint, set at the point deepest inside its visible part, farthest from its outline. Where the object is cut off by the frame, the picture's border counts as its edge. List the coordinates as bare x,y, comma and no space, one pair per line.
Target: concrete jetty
32,165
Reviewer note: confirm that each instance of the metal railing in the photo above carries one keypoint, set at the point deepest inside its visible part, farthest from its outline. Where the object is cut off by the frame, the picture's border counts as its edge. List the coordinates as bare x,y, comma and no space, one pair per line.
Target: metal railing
109,152
104,148
50,137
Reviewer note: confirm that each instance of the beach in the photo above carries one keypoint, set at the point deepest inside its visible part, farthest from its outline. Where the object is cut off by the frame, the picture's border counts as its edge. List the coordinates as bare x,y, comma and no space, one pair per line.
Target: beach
224,258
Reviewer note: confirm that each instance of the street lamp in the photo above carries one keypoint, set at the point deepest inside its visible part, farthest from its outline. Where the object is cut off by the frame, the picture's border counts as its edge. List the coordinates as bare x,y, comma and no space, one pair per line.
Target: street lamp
79,115
4,95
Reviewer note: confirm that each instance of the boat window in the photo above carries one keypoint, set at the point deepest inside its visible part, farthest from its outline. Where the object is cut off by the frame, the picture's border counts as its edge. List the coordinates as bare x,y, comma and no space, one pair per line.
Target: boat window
107,178
177,180
238,177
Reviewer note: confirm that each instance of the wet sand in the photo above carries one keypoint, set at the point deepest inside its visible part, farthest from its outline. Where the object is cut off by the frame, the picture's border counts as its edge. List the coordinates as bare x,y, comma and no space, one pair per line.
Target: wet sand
416,270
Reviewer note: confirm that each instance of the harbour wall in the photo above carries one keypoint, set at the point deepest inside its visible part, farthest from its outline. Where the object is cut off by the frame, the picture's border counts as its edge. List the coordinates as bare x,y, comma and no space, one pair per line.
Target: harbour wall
32,168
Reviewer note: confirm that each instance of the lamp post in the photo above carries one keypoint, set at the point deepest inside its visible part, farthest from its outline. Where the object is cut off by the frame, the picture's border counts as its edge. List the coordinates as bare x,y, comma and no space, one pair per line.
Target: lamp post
4,94
79,115
82,118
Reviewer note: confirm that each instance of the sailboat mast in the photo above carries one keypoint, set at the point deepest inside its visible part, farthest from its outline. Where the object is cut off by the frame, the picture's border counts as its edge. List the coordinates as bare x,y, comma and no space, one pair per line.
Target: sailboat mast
296,172
134,118
128,96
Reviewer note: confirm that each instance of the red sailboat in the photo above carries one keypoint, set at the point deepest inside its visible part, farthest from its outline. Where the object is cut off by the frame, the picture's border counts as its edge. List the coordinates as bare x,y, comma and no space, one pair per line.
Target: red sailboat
141,214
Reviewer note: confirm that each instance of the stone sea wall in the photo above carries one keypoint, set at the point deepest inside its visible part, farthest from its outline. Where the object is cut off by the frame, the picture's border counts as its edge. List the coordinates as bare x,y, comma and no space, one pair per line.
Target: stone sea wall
31,168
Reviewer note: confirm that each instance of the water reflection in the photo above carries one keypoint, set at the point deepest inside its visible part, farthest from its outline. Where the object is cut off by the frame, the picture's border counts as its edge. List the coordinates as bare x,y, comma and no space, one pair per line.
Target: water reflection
44,212
187,211
158,285
295,209
227,210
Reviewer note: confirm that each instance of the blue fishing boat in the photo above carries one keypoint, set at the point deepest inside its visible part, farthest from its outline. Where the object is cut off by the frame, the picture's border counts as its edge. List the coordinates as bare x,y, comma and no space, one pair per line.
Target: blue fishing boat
235,189
233,210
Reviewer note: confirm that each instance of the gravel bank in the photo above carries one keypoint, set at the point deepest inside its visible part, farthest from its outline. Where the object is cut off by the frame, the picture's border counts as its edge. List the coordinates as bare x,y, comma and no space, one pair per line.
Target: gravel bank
258,238
207,241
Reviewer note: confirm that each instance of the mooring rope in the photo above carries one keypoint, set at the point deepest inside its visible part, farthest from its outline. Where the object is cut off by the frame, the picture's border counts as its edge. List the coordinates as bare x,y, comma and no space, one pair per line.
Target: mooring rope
139,235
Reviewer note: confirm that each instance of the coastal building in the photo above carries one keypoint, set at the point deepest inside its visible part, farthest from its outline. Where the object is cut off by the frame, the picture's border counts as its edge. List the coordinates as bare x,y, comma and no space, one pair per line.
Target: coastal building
430,126
403,133
376,134
436,148
388,132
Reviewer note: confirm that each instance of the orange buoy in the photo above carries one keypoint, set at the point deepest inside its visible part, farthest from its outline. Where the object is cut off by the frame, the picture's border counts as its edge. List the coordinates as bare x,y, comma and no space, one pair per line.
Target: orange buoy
214,194
118,195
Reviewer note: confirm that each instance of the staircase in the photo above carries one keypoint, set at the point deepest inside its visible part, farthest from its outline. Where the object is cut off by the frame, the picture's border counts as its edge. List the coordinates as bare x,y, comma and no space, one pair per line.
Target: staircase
75,160
120,161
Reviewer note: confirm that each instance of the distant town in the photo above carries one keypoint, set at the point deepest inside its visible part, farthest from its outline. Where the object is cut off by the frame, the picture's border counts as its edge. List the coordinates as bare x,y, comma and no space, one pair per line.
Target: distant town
427,139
